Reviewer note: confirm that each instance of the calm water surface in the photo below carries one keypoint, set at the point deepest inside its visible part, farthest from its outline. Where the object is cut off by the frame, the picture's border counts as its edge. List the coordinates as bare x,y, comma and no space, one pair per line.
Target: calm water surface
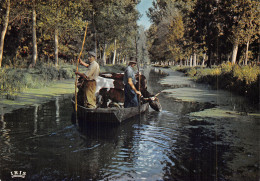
179,143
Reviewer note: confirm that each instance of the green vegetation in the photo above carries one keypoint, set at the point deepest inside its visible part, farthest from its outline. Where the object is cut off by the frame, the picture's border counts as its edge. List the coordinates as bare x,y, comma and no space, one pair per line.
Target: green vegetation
15,81
243,80
30,35
188,32
18,80
37,48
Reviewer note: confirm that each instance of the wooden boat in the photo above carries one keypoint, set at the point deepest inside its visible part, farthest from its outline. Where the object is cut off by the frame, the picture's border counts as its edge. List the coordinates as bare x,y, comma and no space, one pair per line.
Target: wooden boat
112,115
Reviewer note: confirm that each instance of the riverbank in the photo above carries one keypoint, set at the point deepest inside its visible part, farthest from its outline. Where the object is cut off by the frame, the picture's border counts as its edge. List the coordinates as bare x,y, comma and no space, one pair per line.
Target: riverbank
242,80
25,87
15,81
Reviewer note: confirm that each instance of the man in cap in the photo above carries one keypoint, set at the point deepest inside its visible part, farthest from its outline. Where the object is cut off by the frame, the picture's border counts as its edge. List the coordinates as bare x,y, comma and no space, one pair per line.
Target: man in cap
129,82
90,77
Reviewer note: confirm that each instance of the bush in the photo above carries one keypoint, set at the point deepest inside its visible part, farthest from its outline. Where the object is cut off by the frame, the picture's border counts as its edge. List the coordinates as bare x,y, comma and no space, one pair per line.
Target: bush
243,80
247,73
192,72
226,67
66,73
14,81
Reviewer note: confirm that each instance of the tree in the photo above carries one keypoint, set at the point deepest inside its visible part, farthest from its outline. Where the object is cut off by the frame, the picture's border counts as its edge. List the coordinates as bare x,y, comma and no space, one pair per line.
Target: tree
62,26
142,45
34,38
244,22
250,24
115,21
4,30
175,38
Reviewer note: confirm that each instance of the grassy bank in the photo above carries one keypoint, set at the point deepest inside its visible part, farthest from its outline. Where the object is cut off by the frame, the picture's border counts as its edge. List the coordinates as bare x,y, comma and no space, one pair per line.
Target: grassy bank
243,80
14,81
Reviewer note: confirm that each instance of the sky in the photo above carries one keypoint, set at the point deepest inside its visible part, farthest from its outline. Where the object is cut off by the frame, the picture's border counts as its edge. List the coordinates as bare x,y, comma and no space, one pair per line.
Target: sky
142,7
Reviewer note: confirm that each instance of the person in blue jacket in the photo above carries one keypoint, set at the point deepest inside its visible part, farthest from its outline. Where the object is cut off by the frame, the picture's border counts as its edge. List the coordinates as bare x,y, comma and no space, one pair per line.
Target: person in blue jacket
129,81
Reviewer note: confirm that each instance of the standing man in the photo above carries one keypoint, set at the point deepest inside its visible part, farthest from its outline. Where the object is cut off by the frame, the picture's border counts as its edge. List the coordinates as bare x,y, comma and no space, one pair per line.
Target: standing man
90,77
129,81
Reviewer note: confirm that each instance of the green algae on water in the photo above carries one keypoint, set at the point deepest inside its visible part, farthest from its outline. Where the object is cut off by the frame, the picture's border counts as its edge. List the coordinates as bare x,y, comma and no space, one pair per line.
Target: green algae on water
38,96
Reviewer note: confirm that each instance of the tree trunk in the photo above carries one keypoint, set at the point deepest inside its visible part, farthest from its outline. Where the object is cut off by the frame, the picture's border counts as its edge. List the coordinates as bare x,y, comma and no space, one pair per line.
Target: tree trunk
56,47
194,60
247,47
124,58
204,58
104,54
234,53
4,30
114,57
209,57
191,61
34,56
100,52
118,58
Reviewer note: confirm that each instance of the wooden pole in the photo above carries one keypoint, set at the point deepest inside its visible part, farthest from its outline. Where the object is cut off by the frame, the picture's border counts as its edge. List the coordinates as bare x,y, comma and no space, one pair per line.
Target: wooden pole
76,78
139,76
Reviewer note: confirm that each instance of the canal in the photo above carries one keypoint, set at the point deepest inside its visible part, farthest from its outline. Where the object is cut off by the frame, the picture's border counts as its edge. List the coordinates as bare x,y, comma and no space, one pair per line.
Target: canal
201,134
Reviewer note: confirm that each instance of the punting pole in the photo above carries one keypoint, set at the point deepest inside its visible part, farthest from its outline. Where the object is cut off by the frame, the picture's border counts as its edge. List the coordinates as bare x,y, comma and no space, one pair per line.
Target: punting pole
76,78
139,76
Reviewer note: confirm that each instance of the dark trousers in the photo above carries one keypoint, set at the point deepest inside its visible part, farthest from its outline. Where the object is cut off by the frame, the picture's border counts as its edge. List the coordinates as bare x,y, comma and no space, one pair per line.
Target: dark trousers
130,97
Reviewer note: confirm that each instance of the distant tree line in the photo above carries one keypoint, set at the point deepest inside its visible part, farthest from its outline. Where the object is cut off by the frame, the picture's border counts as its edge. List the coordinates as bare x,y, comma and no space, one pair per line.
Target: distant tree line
188,32
48,30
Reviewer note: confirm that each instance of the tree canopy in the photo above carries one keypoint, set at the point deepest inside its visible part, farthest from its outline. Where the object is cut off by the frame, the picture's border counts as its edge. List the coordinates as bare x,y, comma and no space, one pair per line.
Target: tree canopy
221,29
53,29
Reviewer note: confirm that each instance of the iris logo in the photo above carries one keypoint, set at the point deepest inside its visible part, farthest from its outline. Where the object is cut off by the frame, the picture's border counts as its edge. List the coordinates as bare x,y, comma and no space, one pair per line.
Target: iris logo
18,174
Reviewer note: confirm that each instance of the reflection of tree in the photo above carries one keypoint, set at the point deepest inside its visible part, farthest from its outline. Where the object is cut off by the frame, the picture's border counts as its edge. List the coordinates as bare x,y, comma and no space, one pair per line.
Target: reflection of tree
35,119
5,137
57,105
197,157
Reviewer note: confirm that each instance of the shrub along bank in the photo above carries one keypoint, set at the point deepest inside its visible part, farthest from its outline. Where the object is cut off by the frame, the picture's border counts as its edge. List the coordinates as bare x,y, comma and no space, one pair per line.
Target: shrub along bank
243,80
14,80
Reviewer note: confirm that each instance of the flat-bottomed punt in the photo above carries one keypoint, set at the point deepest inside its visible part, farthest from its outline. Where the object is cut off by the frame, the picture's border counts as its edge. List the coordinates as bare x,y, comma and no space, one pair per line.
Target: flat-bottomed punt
112,115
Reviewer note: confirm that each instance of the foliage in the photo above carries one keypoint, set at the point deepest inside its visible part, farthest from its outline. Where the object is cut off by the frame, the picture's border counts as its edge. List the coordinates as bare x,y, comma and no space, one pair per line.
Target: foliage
248,74
240,79
112,68
107,21
215,28
14,81
192,72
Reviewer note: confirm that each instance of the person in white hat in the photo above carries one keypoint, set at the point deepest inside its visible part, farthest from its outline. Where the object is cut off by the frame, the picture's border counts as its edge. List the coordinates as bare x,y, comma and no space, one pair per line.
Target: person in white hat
90,77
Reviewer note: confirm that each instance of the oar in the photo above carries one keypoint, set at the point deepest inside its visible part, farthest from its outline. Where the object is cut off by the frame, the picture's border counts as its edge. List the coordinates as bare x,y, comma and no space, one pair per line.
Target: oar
76,78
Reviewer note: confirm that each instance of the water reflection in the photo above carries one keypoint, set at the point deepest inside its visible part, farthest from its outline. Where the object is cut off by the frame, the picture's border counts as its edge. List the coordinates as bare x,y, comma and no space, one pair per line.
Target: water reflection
35,119
44,141
57,105
5,137
195,155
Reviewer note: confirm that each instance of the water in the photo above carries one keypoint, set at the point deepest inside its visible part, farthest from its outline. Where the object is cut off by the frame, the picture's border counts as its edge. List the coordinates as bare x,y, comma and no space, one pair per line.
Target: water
212,135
